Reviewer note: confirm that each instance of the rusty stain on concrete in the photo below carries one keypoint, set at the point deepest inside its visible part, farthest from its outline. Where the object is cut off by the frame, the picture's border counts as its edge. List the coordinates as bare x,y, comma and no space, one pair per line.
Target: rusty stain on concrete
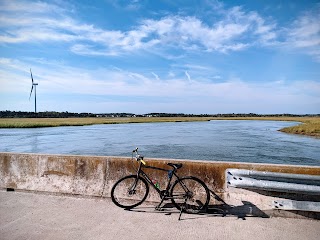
52,172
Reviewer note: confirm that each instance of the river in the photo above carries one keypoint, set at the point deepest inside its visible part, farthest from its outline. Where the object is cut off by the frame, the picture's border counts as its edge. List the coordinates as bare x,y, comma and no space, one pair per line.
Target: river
223,140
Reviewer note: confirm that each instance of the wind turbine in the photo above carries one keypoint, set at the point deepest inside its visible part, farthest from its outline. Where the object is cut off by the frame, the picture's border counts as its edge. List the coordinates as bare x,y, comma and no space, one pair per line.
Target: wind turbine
35,92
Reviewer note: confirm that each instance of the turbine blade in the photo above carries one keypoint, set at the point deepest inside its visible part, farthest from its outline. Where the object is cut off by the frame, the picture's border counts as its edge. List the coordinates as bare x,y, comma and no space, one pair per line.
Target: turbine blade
31,92
31,76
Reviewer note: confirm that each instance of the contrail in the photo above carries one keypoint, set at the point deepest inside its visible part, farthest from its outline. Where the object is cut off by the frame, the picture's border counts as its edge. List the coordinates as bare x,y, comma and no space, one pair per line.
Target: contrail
188,76
155,75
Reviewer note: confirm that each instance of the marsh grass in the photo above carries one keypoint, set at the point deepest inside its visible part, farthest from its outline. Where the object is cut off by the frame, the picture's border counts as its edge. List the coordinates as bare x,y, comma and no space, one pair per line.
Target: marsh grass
309,125
57,122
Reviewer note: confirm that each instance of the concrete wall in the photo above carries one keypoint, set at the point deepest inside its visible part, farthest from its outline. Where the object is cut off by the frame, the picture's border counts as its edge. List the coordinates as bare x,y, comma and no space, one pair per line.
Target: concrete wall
95,176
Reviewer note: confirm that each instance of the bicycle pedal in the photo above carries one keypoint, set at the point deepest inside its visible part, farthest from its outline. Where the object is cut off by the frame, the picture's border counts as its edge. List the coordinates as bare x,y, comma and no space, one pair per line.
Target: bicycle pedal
159,208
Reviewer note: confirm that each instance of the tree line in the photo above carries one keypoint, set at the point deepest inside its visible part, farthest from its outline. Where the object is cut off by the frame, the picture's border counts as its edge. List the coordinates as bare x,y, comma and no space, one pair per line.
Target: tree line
52,114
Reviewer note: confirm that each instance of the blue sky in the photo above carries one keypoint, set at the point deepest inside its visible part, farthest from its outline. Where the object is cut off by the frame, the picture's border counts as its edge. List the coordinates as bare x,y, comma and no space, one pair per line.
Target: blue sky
183,56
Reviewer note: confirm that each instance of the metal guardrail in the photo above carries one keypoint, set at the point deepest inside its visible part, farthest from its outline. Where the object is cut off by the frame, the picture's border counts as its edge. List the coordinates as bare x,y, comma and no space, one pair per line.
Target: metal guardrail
296,205
272,181
279,182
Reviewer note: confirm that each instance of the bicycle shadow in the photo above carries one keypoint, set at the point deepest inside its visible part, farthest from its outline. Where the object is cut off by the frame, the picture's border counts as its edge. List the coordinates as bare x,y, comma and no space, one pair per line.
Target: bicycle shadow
247,209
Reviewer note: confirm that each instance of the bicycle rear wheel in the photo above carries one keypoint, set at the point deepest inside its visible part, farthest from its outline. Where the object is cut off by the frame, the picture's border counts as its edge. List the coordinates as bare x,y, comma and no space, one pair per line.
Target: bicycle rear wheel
129,191
190,195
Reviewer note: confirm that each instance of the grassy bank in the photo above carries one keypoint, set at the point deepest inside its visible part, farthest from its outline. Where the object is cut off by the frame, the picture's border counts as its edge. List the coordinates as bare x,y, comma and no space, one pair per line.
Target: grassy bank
56,122
309,125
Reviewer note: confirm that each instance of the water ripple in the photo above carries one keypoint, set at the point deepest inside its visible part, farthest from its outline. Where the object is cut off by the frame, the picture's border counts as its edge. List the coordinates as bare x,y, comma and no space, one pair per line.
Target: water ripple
241,141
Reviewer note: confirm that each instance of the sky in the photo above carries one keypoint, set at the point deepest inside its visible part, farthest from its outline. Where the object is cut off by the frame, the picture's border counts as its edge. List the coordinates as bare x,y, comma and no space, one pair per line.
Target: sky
143,56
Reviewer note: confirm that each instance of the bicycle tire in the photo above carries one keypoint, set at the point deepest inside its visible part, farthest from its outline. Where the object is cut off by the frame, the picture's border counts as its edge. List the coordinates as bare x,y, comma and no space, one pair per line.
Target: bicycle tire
129,192
190,194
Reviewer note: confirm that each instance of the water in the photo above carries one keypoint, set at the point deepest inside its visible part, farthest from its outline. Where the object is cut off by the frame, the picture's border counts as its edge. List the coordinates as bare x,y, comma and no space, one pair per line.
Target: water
240,141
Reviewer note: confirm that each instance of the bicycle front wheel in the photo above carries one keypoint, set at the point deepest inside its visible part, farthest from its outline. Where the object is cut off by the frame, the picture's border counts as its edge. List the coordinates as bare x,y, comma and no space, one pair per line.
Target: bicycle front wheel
190,194
129,191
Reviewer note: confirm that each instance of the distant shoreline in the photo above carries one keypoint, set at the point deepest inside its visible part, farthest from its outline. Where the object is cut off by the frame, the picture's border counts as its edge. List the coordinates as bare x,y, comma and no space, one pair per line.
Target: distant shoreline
309,126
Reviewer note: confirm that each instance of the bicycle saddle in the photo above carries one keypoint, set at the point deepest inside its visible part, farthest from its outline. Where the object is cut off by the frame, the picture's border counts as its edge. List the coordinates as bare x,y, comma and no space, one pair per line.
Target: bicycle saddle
175,165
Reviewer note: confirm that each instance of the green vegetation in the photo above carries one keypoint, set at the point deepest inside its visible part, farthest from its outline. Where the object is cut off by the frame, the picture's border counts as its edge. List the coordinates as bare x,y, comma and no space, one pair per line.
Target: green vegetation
309,125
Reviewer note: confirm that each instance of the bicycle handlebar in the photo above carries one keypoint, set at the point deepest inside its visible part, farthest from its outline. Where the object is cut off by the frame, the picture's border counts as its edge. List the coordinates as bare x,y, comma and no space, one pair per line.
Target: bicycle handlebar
138,156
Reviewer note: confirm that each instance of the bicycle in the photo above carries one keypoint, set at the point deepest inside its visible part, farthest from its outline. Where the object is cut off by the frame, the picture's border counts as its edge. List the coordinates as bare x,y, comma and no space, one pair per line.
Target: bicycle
188,194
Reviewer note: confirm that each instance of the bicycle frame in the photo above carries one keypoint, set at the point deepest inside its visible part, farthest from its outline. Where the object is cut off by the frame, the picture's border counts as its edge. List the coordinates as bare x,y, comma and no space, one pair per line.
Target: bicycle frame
164,194
140,172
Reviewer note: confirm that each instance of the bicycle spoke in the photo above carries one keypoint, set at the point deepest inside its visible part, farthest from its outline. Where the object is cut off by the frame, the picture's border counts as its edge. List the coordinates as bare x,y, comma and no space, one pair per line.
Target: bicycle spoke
129,192
190,194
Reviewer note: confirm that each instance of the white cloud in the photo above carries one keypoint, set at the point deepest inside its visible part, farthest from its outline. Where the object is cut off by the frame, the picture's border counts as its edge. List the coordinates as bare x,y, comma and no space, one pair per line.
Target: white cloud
224,35
50,23
306,31
235,30
84,49
28,7
304,34
112,82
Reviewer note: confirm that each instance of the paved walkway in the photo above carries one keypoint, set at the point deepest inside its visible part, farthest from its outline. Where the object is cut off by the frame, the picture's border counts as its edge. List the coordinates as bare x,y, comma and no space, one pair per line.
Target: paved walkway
39,216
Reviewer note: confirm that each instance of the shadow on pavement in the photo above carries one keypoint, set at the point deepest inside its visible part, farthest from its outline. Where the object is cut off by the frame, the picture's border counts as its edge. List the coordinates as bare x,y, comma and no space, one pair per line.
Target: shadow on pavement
247,209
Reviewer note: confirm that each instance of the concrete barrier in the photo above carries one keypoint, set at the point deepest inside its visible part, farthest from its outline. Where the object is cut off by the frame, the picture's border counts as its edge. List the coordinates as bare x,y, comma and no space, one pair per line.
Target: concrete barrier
95,176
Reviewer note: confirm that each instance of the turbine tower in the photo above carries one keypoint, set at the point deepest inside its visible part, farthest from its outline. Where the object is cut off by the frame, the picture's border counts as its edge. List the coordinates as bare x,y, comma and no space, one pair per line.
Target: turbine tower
35,92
